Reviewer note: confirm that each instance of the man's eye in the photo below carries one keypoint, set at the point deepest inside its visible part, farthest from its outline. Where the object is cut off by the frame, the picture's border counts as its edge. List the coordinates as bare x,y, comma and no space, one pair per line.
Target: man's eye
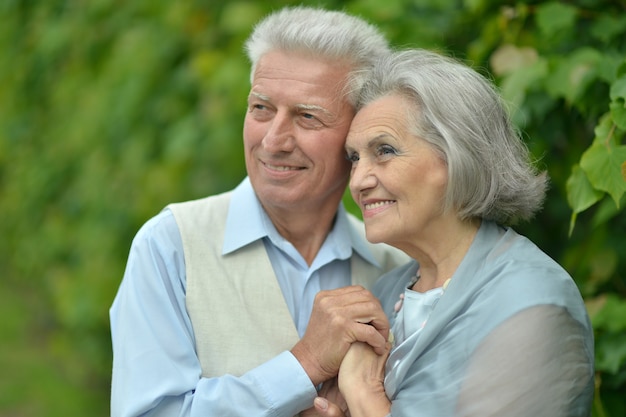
310,121
310,118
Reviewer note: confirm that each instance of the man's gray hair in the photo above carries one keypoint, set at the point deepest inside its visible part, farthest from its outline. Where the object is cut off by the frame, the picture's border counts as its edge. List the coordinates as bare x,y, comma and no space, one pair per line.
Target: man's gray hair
332,36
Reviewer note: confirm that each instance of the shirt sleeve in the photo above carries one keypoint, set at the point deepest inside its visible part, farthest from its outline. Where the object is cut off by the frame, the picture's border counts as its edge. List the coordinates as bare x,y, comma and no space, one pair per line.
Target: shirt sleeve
156,371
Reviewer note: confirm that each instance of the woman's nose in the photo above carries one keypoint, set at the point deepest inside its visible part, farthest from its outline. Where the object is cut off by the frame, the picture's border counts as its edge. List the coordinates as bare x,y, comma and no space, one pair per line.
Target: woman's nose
362,176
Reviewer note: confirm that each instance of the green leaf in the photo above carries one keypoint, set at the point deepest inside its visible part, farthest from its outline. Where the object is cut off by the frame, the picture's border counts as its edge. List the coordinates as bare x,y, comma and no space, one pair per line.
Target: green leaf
603,165
554,17
610,352
510,58
580,193
621,69
523,79
604,130
618,89
608,315
606,211
574,73
608,27
608,69
618,102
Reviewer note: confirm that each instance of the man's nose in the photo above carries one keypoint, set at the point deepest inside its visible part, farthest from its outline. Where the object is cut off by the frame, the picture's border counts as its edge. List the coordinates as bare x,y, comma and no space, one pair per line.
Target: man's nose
280,136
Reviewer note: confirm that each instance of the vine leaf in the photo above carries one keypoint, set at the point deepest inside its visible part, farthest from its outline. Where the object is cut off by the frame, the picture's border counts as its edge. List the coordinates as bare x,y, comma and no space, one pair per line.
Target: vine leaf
618,102
603,166
555,17
580,194
574,74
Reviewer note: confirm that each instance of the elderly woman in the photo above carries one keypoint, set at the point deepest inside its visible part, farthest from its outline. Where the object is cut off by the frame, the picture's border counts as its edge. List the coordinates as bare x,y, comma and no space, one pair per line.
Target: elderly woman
485,323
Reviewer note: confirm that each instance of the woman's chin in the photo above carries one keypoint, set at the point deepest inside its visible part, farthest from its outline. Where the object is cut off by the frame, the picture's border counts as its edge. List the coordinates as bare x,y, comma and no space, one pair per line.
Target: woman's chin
374,236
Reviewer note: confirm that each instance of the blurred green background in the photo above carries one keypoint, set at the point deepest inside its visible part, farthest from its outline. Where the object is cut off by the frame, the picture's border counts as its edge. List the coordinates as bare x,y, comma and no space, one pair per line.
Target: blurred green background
111,109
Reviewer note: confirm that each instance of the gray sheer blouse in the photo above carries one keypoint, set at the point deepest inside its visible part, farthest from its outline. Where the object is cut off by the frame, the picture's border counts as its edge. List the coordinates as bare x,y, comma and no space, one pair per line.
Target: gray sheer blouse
509,336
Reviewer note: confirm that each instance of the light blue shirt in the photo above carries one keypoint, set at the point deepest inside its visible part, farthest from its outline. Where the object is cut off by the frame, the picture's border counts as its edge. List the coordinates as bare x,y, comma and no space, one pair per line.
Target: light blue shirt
152,293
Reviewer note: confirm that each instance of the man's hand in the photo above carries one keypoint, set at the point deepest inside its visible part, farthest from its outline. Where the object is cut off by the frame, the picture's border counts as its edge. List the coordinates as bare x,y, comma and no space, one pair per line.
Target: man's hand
340,317
322,407
329,403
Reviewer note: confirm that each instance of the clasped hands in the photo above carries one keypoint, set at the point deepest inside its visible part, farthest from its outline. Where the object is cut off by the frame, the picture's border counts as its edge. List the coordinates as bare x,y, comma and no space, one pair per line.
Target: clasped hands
345,347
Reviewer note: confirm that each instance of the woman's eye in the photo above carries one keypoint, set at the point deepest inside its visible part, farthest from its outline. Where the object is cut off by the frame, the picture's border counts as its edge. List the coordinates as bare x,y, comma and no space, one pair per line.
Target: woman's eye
386,150
352,157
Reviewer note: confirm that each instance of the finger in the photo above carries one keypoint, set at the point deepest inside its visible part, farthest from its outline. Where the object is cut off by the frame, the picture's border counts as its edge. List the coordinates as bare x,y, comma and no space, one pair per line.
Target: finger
380,322
351,294
362,307
369,334
327,408
364,319
343,291
351,304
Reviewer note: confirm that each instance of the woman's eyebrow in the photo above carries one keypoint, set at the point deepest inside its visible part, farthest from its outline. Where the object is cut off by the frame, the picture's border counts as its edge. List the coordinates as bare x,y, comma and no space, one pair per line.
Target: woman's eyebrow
381,137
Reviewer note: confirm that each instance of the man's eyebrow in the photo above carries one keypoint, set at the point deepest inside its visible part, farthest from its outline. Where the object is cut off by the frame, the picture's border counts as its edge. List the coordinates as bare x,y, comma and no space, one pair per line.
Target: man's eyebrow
305,107
260,96
313,107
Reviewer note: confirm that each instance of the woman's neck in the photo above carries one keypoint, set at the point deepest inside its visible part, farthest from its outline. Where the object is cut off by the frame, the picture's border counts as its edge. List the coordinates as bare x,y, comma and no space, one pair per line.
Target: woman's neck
440,260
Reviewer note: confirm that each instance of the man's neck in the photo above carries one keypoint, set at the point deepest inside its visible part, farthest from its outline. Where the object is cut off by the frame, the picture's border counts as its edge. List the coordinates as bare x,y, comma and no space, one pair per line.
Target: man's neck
305,230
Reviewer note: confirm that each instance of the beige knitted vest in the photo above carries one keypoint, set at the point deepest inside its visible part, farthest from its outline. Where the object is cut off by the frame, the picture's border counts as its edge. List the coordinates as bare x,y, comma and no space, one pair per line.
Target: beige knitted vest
237,310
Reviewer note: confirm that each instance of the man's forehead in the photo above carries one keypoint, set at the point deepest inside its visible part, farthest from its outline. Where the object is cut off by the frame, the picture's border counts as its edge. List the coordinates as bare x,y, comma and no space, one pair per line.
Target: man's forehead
300,106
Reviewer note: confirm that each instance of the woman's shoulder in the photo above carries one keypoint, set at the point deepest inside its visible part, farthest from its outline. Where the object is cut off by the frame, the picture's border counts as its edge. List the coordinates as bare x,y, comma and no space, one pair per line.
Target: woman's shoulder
506,253
510,273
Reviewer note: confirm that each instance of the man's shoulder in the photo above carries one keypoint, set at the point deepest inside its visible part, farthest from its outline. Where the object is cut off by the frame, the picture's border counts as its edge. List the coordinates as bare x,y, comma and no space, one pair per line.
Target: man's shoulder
206,203
198,217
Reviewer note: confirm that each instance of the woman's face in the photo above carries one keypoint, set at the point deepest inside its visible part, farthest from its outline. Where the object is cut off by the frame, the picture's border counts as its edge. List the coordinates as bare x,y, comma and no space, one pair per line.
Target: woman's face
398,180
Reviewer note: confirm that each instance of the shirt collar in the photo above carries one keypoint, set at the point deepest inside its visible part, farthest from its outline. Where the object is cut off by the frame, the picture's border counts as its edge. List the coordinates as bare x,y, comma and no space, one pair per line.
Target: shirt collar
247,222
244,222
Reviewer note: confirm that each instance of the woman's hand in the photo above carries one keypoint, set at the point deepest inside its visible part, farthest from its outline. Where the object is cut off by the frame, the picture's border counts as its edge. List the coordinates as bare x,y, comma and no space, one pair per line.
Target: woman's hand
361,378
359,390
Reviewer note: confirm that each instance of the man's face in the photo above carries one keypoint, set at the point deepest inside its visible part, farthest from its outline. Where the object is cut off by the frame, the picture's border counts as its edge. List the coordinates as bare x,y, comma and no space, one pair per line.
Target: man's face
294,132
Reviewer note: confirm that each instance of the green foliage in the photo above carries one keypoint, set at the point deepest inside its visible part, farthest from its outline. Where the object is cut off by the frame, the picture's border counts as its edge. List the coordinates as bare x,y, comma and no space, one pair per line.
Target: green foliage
110,110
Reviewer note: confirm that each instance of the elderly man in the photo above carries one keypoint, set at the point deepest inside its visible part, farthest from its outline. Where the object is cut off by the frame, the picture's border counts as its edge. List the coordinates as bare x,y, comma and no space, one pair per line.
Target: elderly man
241,304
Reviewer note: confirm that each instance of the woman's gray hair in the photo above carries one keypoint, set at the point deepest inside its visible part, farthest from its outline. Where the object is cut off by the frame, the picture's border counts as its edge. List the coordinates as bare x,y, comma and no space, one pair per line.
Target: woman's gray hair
460,113
327,35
